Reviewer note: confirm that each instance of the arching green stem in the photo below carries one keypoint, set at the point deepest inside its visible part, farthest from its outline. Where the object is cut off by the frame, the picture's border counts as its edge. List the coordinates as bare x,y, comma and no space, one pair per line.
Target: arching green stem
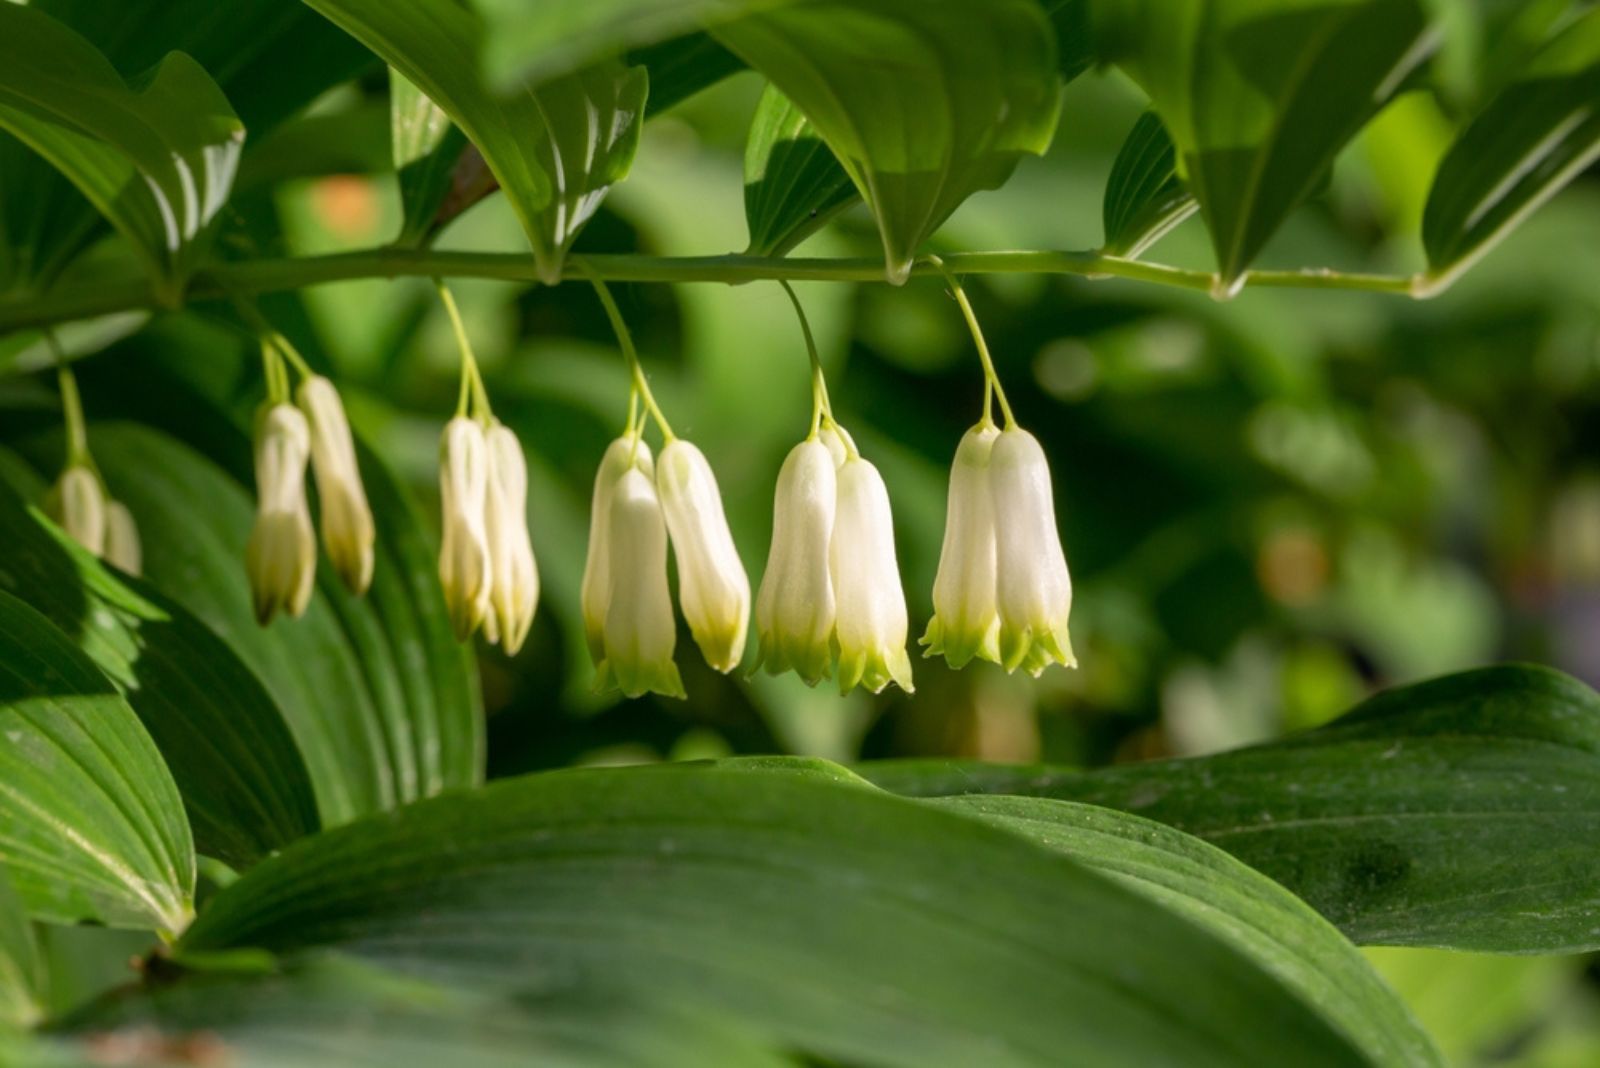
993,388
472,388
625,341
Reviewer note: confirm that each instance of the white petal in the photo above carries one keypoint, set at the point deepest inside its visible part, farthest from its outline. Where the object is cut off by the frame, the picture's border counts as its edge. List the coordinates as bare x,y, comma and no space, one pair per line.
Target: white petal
965,622
712,587
347,527
872,621
77,502
281,556
123,548
795,608
640,632
514,589
464,552
623,454
1035,590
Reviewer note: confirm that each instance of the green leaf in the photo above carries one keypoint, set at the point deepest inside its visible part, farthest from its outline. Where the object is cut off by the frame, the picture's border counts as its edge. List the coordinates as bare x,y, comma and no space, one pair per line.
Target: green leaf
681,67
426,147
158,162
551,161
1145,198
1075,45
243,783
1260,95
1534,137
792,181
1240,905
1456,813
91,825
21,968
924,102
848,923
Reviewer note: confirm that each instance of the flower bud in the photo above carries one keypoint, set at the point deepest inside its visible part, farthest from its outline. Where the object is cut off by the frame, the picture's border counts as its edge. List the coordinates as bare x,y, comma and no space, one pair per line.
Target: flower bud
965,621
795,609
1035,591
464,551
77,502
871,628
347,528
712,587
639,632
622,456
514,581
281,557
122,538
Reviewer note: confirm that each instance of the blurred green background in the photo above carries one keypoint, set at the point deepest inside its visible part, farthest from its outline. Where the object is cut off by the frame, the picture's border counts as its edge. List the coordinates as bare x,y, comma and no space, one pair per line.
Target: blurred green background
1271,507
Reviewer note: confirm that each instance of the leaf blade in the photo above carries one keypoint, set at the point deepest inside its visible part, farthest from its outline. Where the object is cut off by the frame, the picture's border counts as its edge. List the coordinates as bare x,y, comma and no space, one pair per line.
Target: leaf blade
1144,198
793,184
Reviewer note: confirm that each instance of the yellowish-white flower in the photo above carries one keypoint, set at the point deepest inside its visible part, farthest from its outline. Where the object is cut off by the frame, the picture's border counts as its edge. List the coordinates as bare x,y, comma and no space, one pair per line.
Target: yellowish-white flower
1034,589
795,610
871,627
514,581
281,557
347,528
123,547
712,587
464,552
77,502
639,632
622,456
966,620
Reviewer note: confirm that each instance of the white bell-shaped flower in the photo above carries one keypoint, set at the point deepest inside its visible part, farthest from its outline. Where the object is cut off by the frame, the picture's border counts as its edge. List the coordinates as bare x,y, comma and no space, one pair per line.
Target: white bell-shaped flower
464,551
622,455
77,502
347,527
871,627
514,576
795,610
123,547
712,587
281,557
639,632
966,621
1034,589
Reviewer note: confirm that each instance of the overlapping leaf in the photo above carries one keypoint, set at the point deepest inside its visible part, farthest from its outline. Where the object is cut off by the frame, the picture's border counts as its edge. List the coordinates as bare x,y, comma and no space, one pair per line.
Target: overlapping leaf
21,971
91,824
924,102
792,182
1144,198
426,147
1457,813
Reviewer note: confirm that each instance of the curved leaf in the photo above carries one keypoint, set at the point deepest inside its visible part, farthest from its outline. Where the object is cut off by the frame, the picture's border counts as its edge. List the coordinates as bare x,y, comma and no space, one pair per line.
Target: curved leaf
846,922
243,783
1144,198
792,182
1533,138
1456,813
1237,903
426,146
91,825
924,102
681,67
21,969
158,162
1260,95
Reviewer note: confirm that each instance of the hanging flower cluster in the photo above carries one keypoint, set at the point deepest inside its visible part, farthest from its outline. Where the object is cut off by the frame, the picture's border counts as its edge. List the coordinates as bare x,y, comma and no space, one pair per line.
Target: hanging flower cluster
79,501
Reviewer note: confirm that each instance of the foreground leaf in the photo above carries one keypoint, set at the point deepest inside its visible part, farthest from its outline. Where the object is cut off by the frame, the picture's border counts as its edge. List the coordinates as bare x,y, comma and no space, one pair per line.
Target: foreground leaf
91,825
1144,198
1538,134
792,182
924,102
844,921
1457,813
21,970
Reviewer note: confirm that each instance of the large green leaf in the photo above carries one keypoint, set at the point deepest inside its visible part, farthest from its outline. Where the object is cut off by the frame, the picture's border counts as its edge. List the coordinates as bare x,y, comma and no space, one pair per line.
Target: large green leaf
550,160
1458,813
792,182
21,970
1533,138
846,922
1237,903
91,825
1260,95
924,102
681,67
1144,198
243,782
157,161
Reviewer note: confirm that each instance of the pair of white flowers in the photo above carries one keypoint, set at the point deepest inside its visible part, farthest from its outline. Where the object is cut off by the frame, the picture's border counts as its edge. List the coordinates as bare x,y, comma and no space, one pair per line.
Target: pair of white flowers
80,504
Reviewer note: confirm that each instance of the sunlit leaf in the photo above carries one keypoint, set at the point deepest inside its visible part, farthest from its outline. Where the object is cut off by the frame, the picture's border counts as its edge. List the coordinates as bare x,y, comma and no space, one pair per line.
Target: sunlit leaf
792,182
21,970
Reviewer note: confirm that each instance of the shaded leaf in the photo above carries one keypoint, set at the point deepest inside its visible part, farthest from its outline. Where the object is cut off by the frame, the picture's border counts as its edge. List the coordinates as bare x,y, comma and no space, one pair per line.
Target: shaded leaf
792,182
91,825
681,67
924,102
1535,136
1456,813
1144,198
21,969
426,147
1074,26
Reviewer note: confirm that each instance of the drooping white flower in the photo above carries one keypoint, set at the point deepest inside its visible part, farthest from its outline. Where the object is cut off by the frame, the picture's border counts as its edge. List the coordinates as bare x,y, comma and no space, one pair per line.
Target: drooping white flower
871,624
965,619
77,502
281,556
1035,591
795,610
622,455
122,538
712,587
347,527
639,633
464,552
514,576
